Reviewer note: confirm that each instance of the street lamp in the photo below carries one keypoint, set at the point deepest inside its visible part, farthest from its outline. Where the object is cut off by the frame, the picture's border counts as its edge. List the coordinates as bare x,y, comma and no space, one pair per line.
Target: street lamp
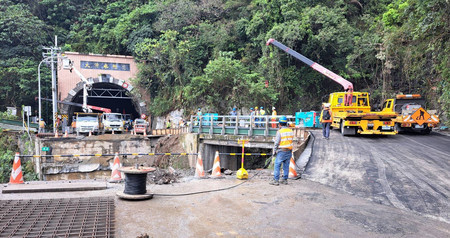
39,85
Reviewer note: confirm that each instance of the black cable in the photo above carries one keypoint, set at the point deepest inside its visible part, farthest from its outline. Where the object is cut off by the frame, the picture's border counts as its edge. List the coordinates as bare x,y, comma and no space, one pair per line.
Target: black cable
312,150
135,184
214,190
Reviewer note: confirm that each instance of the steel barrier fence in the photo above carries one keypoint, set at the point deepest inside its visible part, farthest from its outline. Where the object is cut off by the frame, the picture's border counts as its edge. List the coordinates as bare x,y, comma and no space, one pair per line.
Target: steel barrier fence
135,154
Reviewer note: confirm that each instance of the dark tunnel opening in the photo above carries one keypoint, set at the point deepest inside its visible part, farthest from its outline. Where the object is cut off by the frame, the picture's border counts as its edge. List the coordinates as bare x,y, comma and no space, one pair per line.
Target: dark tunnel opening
107,95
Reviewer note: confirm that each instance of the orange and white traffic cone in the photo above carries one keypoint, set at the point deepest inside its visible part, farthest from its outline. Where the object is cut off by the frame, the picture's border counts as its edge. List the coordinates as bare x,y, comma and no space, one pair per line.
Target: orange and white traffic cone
112,132
292,171
199,172
216,167
16,172
145,132
90,133
115,173
56,134
66,134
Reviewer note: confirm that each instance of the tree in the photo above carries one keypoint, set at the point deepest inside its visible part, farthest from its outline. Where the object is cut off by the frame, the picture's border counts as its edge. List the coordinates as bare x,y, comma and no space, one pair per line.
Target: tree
226,83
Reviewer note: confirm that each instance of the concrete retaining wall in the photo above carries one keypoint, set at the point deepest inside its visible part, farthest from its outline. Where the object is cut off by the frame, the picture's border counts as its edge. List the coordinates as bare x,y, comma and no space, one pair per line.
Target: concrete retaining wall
55,168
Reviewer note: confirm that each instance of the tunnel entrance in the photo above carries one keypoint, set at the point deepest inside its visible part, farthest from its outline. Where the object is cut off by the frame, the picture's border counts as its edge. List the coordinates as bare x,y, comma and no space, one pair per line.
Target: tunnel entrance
107,95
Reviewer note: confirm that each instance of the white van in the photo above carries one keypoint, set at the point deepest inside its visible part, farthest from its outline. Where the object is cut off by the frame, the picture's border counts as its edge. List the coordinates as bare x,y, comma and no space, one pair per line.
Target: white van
113,122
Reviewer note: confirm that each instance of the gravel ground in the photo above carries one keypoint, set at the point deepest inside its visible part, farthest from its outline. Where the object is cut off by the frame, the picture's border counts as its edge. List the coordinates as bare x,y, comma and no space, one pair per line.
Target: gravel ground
253,208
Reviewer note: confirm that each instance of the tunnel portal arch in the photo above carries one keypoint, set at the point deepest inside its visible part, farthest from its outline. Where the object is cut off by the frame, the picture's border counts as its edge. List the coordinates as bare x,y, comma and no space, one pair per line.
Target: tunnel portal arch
107,92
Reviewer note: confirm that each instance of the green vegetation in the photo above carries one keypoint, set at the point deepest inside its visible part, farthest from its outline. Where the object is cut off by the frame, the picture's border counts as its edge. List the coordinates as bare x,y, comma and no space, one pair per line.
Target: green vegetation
8,148
212,53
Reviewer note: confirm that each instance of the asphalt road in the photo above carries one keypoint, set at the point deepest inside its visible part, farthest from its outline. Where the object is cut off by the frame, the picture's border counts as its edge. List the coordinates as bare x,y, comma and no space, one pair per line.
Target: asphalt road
407,171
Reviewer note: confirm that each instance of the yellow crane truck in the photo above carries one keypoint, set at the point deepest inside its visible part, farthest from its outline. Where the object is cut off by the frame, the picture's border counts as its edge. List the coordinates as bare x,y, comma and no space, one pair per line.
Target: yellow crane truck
411,115
350,111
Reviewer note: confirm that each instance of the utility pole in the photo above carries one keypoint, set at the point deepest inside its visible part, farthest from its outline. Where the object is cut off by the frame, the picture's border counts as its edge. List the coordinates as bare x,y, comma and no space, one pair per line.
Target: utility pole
52,54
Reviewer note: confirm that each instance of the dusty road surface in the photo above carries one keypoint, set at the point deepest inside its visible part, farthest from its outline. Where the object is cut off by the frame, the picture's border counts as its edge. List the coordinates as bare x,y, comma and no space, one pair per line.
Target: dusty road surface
407,171
255,209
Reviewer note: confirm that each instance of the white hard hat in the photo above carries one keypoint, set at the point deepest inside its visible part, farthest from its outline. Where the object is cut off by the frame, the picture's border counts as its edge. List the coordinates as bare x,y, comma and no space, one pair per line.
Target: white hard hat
273,108
327,105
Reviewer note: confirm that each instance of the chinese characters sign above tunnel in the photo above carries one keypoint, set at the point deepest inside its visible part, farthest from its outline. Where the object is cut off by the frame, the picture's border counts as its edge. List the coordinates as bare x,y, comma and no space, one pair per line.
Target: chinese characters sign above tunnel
105,66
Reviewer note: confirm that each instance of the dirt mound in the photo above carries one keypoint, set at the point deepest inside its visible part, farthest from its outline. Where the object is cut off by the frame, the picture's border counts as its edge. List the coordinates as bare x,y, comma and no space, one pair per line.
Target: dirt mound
170,144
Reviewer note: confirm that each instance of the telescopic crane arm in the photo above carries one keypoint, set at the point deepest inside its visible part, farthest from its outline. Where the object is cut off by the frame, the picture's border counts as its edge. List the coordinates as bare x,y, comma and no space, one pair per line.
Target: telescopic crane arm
348,86
103,109
68,64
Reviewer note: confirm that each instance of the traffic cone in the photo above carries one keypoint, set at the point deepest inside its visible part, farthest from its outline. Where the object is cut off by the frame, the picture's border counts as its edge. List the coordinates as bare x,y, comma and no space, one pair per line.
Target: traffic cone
216,167
112,132
56,134
292,171
90,133
115,173
199,172
66,134
16,172
145,132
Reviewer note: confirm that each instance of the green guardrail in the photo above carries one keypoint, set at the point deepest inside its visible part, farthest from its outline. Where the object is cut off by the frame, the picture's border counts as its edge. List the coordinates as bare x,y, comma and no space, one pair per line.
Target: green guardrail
18,123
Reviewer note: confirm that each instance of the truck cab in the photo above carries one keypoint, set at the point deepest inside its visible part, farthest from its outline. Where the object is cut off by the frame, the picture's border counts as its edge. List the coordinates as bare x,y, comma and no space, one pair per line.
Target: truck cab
89,122
357,117
411,115
113,122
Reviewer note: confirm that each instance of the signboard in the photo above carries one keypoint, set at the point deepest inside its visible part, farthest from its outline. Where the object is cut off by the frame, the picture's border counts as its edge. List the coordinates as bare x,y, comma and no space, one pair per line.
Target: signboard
143,116
105,66
420,116
45,148
27,109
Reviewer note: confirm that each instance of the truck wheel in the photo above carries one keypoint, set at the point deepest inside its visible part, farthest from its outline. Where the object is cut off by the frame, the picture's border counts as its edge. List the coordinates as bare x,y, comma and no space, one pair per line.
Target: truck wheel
347,131
426,131
397,128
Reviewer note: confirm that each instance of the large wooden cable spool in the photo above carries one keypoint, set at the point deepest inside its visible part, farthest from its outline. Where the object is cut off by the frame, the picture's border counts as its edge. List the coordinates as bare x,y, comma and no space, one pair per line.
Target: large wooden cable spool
135,183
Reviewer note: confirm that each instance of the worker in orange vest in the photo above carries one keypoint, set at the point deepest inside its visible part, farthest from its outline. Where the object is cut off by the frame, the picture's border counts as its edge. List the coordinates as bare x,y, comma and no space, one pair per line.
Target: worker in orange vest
326,119
274,118
283,150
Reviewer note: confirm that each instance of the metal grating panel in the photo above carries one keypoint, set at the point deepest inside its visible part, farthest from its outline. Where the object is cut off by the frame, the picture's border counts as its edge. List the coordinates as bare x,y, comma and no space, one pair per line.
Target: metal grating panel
69,217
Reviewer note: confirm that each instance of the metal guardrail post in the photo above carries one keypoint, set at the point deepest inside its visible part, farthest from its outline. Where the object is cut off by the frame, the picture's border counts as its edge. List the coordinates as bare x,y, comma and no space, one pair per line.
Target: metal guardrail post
236,130
266,131
211,127
250,128
223,125
200,122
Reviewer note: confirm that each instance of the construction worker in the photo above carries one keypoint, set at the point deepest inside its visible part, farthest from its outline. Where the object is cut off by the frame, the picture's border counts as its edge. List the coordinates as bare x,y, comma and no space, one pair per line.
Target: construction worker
283,150
252,115
168,124
326,119
41,126
198,117
262,112
233,112
256,116
233,115
274,117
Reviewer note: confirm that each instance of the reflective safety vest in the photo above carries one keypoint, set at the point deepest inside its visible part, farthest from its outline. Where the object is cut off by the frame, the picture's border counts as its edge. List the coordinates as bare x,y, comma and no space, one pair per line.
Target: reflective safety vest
326,120
287,136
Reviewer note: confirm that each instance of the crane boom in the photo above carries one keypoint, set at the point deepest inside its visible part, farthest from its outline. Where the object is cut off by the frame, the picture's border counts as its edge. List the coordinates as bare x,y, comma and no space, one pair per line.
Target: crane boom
103,109
348,86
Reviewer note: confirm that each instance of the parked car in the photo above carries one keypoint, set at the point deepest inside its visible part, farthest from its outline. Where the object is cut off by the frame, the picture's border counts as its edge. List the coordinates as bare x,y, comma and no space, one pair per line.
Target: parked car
140,126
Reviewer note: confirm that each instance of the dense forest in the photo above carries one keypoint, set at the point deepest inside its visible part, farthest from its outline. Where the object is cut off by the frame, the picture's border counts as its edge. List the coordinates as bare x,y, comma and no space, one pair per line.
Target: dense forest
212,53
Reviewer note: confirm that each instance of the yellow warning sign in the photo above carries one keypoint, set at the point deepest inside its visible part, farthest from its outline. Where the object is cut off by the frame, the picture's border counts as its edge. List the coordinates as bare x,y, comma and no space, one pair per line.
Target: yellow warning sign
420,116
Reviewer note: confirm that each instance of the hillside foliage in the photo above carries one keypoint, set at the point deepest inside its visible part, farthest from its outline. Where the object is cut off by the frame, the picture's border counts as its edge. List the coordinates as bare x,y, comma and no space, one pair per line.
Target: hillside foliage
212,53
